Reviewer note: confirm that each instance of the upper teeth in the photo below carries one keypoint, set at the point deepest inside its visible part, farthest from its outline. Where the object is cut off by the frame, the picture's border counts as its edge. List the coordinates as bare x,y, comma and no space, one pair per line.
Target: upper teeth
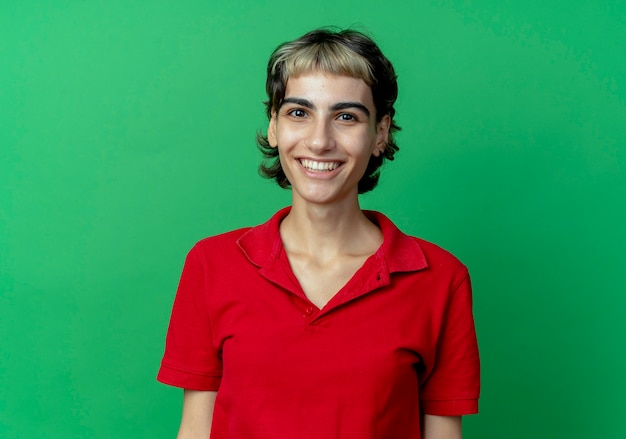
319,166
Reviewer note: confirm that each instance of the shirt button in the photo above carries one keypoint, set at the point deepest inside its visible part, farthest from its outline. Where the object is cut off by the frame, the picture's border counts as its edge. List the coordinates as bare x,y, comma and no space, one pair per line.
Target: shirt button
309,311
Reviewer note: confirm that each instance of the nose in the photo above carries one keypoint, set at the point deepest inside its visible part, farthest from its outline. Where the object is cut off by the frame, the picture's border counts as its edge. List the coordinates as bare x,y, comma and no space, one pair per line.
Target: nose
319,137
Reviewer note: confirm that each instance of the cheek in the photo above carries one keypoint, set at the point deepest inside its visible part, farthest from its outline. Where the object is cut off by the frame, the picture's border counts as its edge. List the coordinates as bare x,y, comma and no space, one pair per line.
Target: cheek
288,138
363,145
286,163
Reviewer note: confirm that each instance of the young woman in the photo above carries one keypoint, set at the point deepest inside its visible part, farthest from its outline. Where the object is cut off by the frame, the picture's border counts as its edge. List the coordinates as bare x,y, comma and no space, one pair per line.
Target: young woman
326,321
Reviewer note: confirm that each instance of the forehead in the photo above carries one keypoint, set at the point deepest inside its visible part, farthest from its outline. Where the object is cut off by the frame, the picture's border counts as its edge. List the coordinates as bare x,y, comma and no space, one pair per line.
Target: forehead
329,88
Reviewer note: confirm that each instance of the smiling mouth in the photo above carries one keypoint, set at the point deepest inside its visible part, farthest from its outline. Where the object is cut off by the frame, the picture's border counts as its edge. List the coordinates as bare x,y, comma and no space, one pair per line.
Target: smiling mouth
315,166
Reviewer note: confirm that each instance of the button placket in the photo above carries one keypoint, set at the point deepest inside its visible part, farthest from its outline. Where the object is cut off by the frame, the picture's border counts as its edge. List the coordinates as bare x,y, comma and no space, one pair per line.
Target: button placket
310,315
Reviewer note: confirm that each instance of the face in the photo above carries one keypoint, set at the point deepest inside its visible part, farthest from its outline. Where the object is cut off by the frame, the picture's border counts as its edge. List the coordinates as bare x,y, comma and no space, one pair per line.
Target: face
326,132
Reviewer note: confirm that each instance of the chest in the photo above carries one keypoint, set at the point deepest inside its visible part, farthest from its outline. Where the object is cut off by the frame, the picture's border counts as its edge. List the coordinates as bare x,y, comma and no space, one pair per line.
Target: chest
321,282
364,355
371,321
361,357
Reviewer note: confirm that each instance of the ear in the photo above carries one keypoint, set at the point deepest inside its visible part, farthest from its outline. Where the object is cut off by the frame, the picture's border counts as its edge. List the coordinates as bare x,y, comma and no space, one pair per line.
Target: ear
271,131
382,135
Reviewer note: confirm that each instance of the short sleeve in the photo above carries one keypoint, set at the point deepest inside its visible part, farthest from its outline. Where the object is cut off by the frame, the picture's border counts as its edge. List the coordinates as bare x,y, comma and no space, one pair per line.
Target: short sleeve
453,387
190,360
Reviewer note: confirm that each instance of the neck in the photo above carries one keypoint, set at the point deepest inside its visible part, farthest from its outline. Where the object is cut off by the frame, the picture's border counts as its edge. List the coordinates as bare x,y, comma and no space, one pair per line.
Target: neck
326,231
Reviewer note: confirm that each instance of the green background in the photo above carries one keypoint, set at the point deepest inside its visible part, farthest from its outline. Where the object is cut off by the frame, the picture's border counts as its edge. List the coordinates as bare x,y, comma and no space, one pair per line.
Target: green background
127,134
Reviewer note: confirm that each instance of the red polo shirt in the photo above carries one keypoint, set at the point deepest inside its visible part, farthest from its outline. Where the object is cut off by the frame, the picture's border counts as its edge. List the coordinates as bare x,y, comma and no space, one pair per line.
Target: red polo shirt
395,342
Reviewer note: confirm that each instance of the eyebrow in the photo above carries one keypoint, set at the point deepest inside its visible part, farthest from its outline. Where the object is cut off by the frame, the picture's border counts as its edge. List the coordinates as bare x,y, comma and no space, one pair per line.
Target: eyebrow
346,105
338,106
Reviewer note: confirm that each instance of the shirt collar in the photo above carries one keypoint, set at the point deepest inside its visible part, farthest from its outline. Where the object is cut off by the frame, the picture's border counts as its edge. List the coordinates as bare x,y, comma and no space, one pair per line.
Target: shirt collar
401,253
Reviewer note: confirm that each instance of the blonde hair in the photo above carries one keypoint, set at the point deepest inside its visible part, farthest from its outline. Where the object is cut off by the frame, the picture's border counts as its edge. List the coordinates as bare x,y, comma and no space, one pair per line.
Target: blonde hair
297,57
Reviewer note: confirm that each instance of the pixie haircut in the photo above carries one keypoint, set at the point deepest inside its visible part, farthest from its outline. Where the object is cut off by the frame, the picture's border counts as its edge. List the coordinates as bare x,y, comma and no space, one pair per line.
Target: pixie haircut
340,52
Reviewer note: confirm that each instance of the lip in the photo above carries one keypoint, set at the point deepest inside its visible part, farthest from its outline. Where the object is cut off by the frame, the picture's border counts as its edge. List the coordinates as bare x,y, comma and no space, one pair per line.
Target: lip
319,168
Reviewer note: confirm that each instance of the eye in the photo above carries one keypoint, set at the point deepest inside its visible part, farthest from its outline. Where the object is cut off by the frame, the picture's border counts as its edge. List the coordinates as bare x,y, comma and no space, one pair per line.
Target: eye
297,112
346,117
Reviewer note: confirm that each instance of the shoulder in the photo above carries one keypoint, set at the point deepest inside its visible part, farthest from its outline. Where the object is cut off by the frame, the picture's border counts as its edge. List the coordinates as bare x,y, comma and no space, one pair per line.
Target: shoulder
438,256
214,251
220,241
255,244
410,253
443,263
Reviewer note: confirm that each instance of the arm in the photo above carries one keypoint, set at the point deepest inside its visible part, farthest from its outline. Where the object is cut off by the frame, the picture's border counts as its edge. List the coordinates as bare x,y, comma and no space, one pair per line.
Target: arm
453,387
197,414
442,427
